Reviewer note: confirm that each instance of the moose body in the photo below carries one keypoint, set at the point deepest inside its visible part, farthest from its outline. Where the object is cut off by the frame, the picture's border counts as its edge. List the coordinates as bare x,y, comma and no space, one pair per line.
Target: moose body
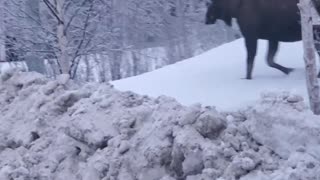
272,20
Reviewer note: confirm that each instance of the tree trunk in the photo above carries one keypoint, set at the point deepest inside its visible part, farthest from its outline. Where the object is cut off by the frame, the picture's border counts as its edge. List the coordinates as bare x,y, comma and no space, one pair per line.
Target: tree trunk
34,62
183,30
62,39
115,65
2,32
309,55
88,68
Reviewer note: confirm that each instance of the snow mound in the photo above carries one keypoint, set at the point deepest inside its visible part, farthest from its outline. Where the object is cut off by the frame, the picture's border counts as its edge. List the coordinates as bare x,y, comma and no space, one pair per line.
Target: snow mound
62,130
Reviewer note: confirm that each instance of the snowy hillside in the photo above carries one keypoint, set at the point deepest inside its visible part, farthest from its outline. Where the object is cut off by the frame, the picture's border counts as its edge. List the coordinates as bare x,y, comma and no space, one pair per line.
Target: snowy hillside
215,77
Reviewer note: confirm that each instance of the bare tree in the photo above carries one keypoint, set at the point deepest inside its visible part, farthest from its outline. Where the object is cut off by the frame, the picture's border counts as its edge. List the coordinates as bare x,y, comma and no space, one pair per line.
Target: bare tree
75,30
65,30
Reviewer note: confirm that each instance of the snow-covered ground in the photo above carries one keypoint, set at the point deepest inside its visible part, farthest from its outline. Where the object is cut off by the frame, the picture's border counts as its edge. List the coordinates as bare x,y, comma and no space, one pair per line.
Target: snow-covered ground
215,77
57,129
5,66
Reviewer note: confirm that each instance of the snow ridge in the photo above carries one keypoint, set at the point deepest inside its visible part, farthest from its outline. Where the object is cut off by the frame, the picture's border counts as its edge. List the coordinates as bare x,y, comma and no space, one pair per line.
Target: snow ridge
62,130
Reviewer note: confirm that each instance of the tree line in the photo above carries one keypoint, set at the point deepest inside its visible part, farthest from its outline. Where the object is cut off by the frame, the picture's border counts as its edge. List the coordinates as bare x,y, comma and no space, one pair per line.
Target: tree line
64,32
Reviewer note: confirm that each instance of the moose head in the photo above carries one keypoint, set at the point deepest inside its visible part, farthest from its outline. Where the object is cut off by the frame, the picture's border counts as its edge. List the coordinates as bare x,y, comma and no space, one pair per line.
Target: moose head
223,10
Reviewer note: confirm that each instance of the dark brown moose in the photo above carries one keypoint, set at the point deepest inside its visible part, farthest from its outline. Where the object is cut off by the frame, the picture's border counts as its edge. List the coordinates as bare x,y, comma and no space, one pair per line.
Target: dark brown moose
272,20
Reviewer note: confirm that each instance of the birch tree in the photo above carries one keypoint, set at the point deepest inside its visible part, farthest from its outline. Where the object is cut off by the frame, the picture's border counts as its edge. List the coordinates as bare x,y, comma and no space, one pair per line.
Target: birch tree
64,31
2,31
307,19
75,30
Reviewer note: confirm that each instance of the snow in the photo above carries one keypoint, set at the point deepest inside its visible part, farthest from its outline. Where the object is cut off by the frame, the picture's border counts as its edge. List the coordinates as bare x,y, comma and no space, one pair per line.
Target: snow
5,66
59,129
53,130
215,77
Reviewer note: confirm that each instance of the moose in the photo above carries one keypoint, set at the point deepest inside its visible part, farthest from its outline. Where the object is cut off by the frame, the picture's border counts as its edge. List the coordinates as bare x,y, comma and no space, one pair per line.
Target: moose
272,20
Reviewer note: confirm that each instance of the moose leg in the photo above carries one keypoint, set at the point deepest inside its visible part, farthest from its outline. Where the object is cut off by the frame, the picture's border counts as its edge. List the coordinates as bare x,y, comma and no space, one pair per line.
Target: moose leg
251,45
273,47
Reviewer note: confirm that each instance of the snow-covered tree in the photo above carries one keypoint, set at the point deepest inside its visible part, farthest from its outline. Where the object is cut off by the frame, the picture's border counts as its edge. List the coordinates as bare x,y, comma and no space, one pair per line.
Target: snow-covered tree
60,29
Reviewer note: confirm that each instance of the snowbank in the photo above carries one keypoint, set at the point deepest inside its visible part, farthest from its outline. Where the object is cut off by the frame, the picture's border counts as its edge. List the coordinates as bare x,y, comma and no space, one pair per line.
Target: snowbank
61,130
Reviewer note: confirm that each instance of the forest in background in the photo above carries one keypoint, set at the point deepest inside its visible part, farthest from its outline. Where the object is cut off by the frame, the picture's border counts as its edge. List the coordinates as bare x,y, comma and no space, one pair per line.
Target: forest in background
102,40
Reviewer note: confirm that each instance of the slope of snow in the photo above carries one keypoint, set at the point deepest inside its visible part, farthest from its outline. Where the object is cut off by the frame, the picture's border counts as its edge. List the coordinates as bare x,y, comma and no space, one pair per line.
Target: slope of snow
215,77
53,130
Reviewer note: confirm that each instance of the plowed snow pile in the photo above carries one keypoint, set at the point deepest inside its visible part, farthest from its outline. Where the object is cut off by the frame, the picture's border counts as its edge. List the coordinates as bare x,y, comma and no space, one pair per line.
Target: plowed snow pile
56,130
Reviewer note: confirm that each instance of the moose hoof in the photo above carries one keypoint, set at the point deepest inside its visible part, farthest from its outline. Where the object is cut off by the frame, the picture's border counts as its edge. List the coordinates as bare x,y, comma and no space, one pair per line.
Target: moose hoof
247,78
288,71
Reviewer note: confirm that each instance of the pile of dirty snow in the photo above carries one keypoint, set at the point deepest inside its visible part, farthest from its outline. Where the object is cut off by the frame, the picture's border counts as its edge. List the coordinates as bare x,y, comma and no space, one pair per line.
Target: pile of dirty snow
53,130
